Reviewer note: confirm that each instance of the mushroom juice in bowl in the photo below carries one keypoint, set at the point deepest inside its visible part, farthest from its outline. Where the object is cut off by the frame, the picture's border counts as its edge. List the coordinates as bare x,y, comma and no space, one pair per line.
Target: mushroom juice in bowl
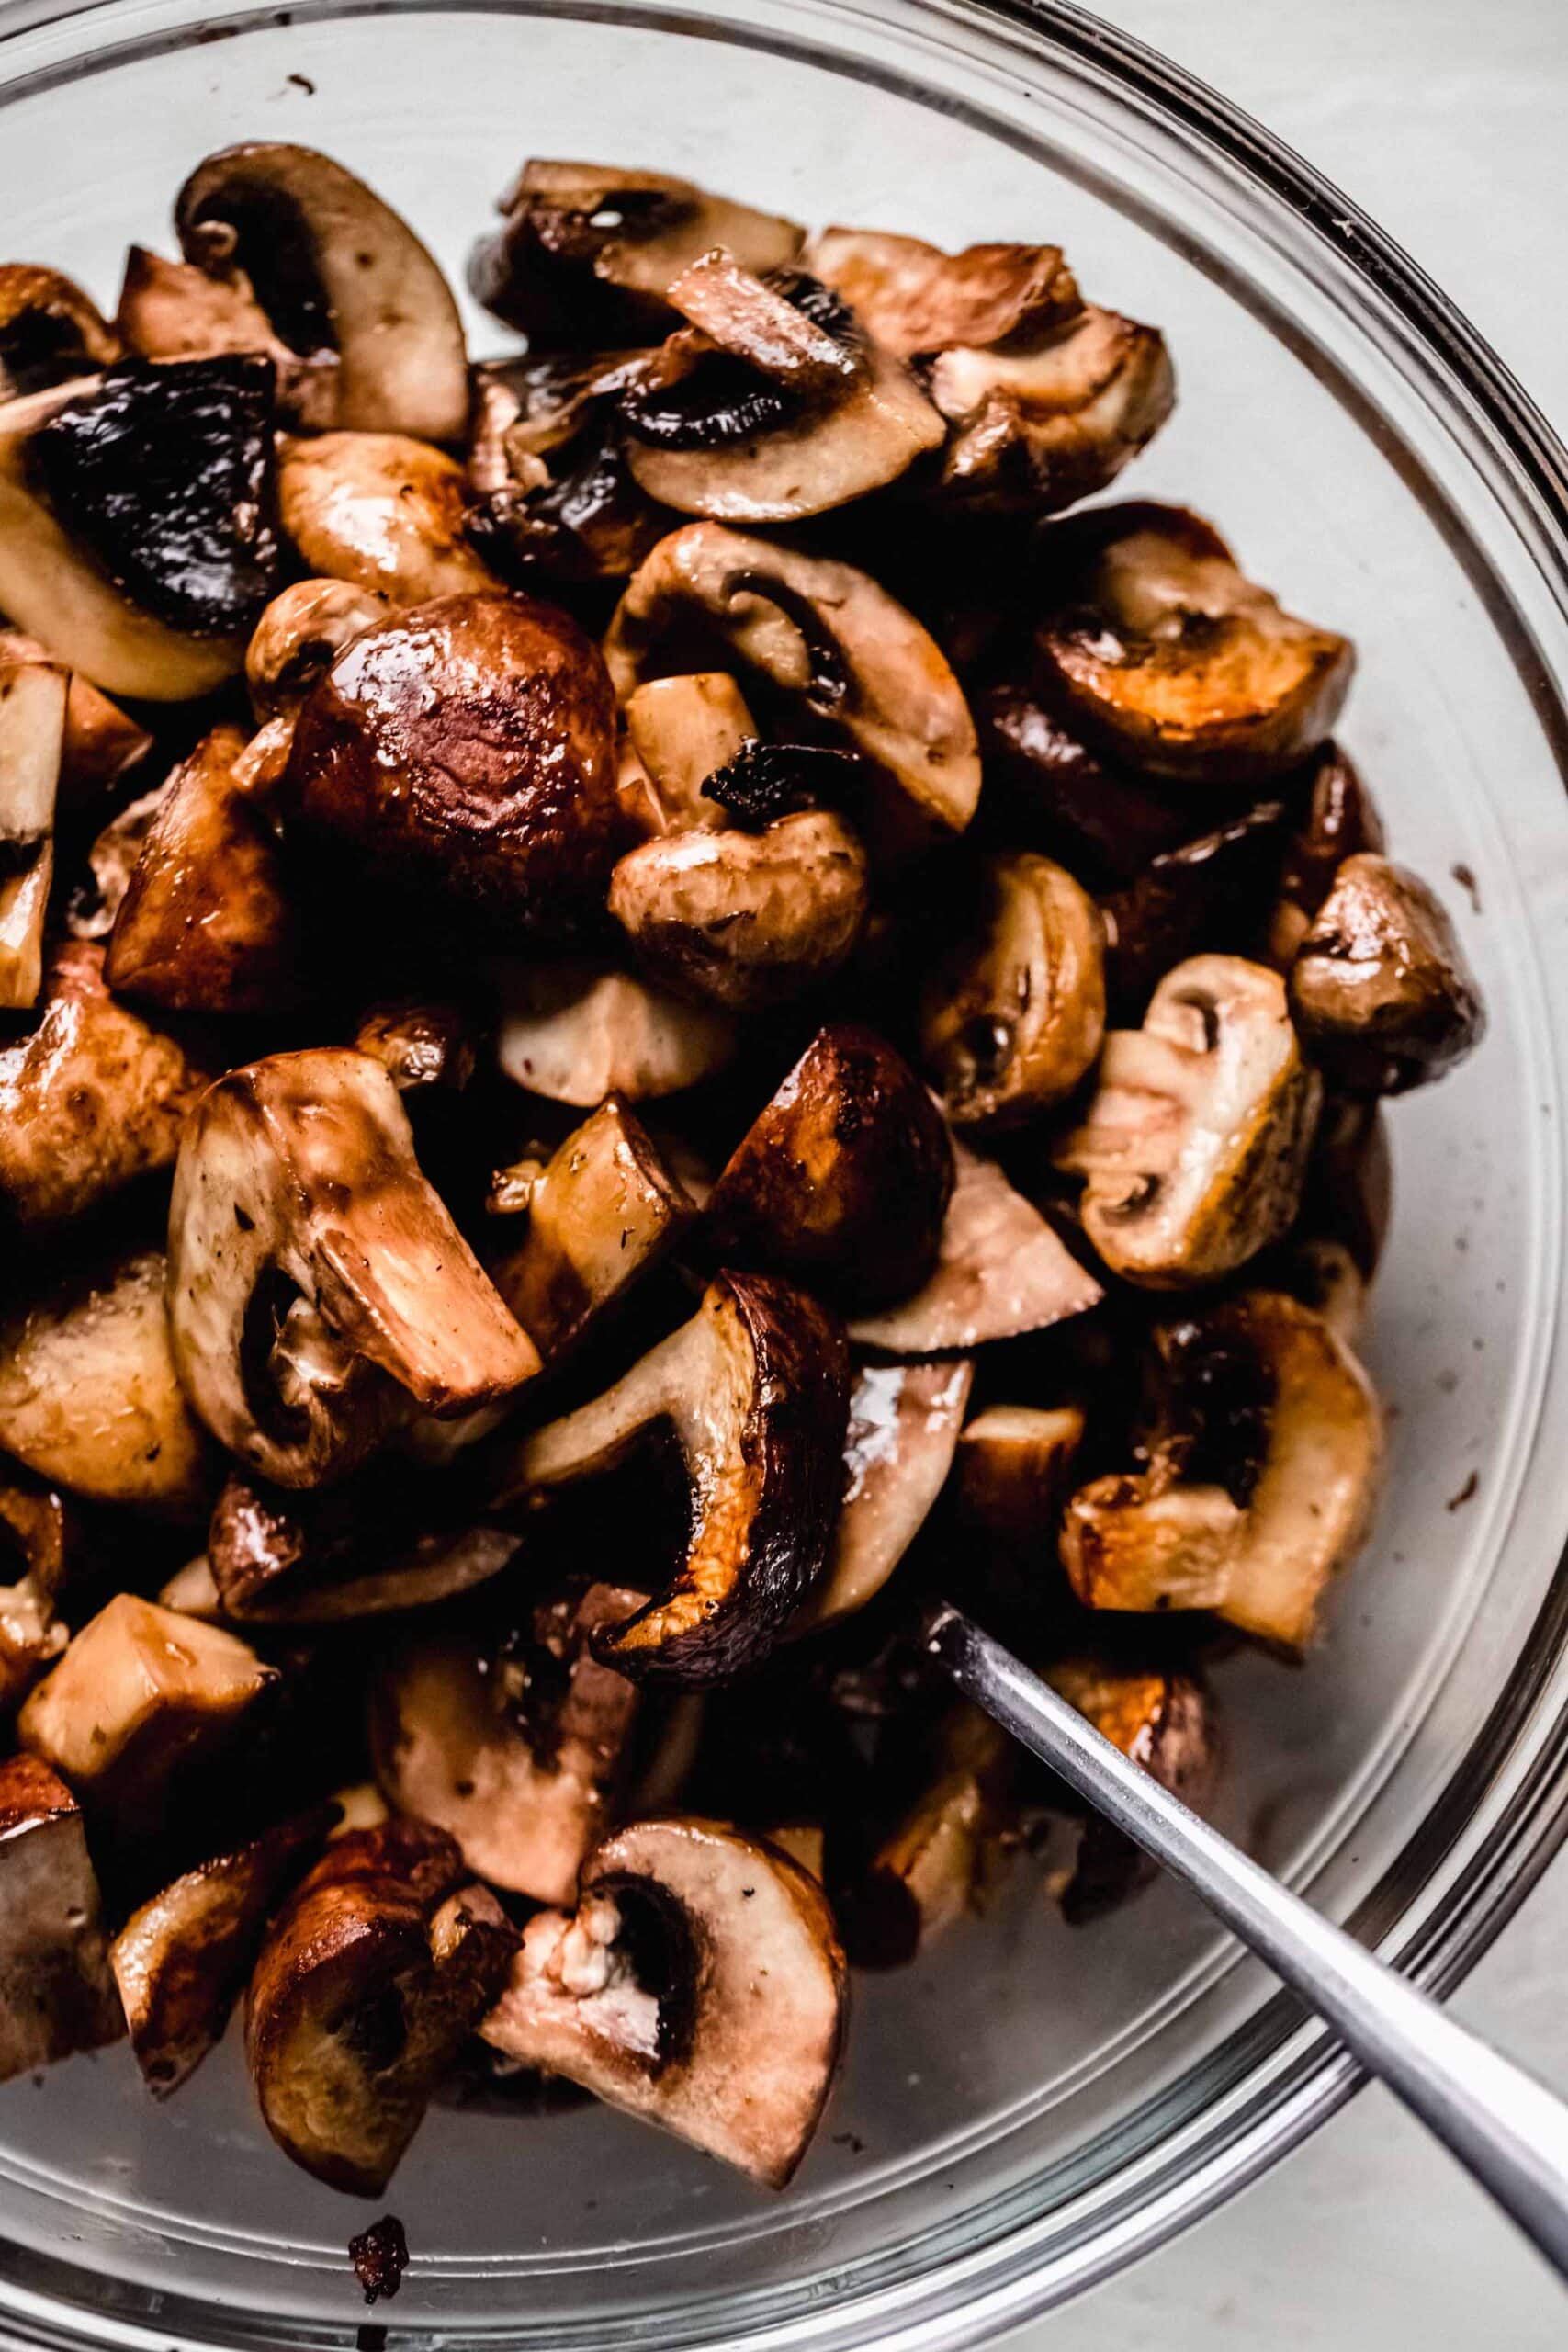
664,993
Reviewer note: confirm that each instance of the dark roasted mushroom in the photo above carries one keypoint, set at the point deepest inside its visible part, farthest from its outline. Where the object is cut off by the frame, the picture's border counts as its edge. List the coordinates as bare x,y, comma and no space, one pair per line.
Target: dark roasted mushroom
422,1044
1338,820
49,332
56,1992
1380,989
299,636
933,1864
171,310
34,1533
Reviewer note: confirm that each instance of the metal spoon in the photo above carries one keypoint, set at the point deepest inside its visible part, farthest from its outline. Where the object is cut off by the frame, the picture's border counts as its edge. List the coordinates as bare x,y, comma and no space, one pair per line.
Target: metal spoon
1504,2127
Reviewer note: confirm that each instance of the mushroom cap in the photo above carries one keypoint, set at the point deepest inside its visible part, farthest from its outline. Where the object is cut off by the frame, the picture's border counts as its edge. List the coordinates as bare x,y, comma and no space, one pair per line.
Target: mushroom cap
467,750
382,512
1381,990
1336,819
579,1030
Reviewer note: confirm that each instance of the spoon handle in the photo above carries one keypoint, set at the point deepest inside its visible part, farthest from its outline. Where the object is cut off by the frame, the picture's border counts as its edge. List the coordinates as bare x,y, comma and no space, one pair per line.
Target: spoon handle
1504,2127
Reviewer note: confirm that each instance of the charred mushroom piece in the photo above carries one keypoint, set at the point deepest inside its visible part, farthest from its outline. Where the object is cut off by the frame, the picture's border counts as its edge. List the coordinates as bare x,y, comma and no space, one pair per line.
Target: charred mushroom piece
372,1978
32,1529
49,332
421,1043
299,637
575,1032
140,1699
1000,1271
683,730
1163,649
181,1961
335,270
601,1214
517,1750
743,919
1262,1480
101,741
32,736
699,1985
843,1180
90,1099
207,924
588,252
1379,989
1194,1147
822,632
88,1393
1014,1015
1164,1722
1339,820
171,310
465,753
316,1283
903,1425
754,1392
56,1992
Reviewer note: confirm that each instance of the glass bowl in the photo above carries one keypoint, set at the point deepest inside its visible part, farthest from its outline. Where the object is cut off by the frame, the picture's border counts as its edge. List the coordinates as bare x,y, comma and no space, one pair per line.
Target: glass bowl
1031,2106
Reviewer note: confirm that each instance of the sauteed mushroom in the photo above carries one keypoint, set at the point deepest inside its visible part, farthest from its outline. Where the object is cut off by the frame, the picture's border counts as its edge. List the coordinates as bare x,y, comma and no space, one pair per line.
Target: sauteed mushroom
56,1992
32,736
577,1031
171,310
49,332
1379,988
298,638
381,513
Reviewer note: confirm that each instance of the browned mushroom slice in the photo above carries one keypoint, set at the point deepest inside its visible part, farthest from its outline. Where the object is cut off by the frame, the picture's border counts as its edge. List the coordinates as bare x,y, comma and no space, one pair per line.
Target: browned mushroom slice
1338,821
182,1959
141,1696
373,1976
1161,1720
755,1392
1000,1271
90,1099
335,270
56,1992
32,736
745,920
577,1031
1040,427
380,512
49,332
517,1749
821,631
1194,1147
101,741
317,1284
843,1179
903,1425
916,299
933,1866
1379,989
683,729
601,1212
1262,1477
88,1393
32,1529
1014,1014
588,252
1162,648
420,1042
171,310
299,637
699,1985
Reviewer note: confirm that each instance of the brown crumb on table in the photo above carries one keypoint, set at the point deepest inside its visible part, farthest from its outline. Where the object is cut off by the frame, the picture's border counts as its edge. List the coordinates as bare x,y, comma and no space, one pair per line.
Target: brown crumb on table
1457,1502
1465,876
381,2256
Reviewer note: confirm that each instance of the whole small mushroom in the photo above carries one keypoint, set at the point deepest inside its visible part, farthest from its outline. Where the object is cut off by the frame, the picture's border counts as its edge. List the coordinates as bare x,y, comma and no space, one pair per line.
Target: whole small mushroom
1380,989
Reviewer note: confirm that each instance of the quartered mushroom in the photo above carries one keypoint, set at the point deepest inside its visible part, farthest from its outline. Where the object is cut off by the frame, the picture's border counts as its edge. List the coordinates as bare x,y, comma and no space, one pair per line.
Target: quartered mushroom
683,730
299,637
1012,1474
699,1984
101,743
1163,1719
57,1995
1194,1146
1381,991
1160,647
172,309
335,271
376,1971
91,1097
820,631
754,1392
182,1959
518,1747
933,1865
903,1425
1013,1015
844,1177
1103,819
1338,820
34,1537
1262,1473
32,738
578,1030
588,252
380,512
319,1290
50,331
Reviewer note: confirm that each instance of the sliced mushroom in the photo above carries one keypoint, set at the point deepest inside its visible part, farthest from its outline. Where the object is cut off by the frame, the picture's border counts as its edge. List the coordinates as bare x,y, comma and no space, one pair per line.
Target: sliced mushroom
588,252
49,332
90,1099
376,1971
421,1042
743,919
519,1748
335,270
142,1698
381,513
755,1392
56,1992
33,1531
601,1214
903,1425
1162,1721
1338,821
171,310
843,1180
464,752
699,1985
275,1560
299,636
575,515
1262,1480
181,1959
932,1867
1380,989
1014,1014
918,300
821,631
577,1031
1194,1147
88,1395
111,861
32,735
1162,648
1000,1271
683,730
102,741
208,924
316,1283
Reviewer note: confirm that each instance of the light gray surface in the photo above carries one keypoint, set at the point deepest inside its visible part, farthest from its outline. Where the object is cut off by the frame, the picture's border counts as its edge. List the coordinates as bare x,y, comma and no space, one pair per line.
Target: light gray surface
1445,120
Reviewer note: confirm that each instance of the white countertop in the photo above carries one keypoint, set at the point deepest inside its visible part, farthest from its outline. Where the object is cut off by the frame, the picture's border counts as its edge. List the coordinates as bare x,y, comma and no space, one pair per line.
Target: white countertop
1446,119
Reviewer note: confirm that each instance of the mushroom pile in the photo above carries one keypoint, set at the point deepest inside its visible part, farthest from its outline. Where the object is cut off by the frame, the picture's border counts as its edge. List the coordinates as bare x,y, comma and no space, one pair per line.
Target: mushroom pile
653,1008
